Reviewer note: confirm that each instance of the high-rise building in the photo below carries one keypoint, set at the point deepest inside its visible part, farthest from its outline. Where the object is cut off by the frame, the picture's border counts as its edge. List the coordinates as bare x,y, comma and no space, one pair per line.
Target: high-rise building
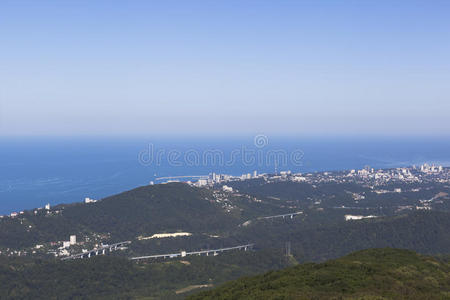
202,182
73,239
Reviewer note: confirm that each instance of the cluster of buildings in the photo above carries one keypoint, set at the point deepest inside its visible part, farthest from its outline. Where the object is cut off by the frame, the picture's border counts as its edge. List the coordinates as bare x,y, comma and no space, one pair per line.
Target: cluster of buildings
377,177
63,250
377,180
214,178
426,168
407,174
48,248
422,173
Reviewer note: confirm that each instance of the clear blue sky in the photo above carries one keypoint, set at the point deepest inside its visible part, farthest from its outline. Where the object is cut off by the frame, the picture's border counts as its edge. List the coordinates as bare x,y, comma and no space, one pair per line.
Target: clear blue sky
224,67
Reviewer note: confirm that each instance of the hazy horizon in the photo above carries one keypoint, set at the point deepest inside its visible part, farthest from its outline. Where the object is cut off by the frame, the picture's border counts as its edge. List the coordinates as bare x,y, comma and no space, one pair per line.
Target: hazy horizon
202,68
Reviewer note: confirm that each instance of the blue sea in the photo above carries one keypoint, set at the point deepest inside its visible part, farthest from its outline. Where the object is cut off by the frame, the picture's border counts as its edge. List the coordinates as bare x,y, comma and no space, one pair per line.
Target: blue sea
36,171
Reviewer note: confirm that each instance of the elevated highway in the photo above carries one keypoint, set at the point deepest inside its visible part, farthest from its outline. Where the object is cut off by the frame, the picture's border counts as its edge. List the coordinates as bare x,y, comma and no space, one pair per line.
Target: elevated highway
213,252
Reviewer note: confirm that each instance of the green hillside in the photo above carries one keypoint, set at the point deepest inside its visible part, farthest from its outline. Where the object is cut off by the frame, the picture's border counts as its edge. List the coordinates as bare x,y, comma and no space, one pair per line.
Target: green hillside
369,274
426,232
141,211
111,277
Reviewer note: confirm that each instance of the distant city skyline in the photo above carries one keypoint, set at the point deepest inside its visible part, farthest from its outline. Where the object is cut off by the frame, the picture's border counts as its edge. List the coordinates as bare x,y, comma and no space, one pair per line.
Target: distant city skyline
224,68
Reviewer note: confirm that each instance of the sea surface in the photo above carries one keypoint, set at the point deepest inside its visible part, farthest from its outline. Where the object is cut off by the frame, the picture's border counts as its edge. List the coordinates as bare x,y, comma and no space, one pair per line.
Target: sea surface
35,171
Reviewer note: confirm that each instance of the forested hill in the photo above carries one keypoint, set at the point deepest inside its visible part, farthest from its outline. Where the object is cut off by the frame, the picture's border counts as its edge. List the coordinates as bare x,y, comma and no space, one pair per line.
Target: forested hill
369,274
147,209
141,211
427,232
